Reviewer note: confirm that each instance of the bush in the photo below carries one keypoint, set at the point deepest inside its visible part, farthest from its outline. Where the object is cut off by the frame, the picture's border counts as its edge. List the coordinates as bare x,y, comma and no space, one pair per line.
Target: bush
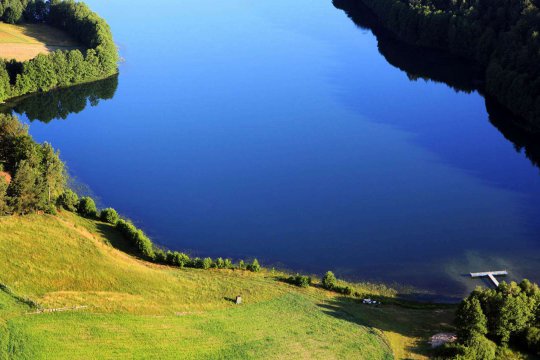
68,200
329,280
87,207
181,259
220,263
196,263
137,238
109,215
300,280
241,265
50,209
254,266
228,264
346,290
207,263
144,244
160,256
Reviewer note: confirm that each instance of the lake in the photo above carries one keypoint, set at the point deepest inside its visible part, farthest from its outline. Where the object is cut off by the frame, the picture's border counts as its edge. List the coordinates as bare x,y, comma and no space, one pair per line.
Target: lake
283,131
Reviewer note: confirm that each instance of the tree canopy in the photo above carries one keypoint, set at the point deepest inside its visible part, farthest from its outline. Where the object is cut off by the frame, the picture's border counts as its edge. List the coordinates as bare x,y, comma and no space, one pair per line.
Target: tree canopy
60,68
38,176
503,36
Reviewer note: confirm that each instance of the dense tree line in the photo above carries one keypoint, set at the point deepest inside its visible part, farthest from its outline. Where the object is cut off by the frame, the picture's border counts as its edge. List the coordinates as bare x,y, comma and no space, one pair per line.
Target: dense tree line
60,68
501,35
489,319
32,176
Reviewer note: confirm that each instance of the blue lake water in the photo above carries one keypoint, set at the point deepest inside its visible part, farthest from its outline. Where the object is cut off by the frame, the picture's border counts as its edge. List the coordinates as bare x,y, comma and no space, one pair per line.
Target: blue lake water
276,130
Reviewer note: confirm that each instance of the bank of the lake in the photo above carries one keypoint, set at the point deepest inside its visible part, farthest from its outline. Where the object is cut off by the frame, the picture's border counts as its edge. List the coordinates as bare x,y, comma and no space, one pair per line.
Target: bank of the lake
347,162
108,301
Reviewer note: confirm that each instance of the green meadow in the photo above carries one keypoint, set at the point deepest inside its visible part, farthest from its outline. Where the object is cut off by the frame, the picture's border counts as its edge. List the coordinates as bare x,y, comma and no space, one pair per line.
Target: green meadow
111,305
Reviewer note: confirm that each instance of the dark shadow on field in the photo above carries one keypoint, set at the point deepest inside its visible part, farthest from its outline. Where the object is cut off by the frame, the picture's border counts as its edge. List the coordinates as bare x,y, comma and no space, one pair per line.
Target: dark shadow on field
60,103
116,239
409,319
51,36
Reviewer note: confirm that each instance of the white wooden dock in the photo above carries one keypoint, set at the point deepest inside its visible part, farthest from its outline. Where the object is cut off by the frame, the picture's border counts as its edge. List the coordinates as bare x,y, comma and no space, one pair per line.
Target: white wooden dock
491,275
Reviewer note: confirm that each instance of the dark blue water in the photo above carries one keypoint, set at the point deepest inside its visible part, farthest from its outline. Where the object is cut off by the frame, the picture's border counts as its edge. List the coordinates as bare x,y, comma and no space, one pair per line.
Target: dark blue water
276,130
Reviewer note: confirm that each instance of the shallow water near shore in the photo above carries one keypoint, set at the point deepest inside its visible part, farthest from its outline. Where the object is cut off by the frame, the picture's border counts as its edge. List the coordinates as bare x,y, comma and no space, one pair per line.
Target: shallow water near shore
277,130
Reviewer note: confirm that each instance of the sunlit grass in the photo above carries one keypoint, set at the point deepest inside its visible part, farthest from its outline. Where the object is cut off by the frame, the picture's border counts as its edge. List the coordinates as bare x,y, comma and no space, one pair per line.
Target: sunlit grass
25,41
135,309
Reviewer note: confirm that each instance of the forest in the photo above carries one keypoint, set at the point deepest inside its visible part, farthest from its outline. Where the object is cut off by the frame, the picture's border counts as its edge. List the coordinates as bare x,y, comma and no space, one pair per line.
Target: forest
488,321
502,36
60,68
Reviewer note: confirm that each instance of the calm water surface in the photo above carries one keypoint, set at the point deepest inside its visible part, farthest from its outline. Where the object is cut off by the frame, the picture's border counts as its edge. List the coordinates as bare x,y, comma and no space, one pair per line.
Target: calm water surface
276,129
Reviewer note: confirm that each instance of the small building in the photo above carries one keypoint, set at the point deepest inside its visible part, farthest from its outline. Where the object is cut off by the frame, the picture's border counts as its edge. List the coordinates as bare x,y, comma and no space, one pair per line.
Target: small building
238,300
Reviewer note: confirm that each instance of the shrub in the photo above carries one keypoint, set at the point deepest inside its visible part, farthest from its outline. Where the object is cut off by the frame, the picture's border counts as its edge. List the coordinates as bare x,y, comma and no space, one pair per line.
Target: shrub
329,280
160,256
300,280
346,290
169,257
87,207
109,215
181,259
207,263
68,200
254,266
220,263
144,244
137,238
228,264
196,263
50,209
241,265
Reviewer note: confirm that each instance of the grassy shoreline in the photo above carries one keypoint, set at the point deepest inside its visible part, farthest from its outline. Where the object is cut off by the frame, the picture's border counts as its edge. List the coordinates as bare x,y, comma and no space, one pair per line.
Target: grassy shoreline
66,261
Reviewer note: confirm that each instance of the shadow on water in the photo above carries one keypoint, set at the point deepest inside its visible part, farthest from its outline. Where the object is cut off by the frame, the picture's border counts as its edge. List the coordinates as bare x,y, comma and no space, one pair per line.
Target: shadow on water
438,66
60,103
412,320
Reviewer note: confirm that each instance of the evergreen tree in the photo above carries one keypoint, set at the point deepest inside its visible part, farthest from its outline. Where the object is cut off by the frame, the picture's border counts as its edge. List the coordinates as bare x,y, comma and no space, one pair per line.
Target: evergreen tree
470,320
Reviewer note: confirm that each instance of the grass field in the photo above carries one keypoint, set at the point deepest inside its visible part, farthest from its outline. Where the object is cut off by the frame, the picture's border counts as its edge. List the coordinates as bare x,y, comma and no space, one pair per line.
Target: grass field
25,41
134,309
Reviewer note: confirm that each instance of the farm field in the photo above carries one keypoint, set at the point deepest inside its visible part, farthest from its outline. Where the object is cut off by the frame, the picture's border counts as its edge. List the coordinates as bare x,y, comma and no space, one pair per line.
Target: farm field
131,308
25,41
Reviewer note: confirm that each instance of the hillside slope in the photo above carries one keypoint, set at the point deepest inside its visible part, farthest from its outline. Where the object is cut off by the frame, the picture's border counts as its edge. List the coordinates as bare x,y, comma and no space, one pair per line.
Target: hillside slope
117,306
